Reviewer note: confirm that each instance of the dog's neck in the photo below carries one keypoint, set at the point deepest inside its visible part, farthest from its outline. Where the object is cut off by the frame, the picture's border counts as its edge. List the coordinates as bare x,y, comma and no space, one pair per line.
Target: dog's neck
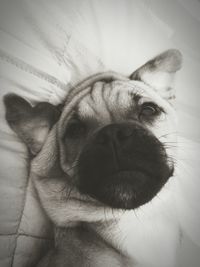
133,239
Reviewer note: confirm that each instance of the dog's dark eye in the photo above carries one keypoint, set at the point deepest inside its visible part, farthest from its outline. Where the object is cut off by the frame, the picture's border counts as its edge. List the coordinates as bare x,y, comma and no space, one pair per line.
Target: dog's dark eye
75,129
149,109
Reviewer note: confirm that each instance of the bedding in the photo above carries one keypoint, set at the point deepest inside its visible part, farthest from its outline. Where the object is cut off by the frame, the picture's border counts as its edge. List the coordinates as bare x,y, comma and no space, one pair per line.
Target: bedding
46,47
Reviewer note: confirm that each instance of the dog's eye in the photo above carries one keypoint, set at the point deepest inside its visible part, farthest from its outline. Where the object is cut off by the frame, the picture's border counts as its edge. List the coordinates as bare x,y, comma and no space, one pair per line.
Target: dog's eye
149,109
75,129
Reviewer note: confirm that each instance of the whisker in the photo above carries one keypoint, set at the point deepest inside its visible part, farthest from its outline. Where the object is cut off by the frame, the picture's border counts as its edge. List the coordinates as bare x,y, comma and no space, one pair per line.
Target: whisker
69,192
164,135
169,142
73,166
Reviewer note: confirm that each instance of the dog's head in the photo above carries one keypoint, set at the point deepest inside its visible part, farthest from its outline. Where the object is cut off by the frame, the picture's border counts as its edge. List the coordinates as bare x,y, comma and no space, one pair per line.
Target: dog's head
114,135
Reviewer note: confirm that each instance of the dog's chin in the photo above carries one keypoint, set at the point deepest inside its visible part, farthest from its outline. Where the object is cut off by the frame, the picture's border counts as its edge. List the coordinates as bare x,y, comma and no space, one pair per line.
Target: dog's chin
125,189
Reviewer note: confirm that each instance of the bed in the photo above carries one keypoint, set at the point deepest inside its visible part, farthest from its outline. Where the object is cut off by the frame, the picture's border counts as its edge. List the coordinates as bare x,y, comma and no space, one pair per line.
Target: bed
48,46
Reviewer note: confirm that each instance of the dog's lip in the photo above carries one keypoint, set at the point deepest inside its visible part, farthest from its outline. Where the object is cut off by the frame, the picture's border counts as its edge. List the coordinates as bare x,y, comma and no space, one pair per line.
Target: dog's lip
86,200
128,173
125,171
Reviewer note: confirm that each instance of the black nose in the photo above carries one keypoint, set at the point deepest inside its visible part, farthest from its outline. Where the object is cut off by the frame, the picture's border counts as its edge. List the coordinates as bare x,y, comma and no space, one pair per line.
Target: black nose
118,134
122,165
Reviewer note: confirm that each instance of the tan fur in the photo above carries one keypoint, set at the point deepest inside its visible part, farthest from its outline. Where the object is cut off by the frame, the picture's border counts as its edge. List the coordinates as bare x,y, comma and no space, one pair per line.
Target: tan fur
87,233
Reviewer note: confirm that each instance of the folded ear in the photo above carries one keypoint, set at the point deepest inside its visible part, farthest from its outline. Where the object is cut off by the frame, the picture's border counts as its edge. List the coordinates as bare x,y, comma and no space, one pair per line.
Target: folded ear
32,124
160,71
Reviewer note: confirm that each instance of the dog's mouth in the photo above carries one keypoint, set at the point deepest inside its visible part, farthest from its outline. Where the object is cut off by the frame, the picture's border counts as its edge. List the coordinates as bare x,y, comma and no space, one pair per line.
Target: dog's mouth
123,181
127,189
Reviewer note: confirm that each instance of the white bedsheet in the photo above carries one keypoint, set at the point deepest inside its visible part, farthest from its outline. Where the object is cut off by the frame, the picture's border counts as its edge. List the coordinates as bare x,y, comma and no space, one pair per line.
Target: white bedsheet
46,45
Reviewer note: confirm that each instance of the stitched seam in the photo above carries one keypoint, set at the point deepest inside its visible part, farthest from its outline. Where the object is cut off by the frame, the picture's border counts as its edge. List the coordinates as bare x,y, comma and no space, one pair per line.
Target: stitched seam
23,206
20,64
52,94
27,235
44,37
66,43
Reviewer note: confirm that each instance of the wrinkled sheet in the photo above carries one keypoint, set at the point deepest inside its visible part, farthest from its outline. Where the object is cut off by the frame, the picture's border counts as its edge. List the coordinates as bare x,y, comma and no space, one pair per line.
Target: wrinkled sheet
47,46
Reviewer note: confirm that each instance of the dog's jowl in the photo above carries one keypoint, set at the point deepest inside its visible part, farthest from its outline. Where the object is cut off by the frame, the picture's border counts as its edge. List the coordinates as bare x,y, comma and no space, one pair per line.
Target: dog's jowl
104,166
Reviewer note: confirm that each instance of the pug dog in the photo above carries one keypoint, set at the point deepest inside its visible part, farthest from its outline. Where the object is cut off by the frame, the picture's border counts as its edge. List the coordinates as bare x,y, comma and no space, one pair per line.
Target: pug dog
103,166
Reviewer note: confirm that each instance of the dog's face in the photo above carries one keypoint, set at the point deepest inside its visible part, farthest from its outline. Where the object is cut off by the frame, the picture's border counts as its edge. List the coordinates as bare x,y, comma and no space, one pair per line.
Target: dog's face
114,137
112,143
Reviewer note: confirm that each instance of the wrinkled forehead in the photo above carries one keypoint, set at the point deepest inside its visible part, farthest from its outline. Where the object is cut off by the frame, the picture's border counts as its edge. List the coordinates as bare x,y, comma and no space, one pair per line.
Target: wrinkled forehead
116,97
106,99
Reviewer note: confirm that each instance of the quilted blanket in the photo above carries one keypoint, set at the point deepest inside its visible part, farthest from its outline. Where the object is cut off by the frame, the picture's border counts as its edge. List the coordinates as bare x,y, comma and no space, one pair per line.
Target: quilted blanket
45,47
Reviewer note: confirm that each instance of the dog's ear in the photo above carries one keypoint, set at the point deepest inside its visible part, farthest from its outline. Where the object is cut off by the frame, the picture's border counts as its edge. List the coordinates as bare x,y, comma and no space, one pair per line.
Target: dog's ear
32,124
159,72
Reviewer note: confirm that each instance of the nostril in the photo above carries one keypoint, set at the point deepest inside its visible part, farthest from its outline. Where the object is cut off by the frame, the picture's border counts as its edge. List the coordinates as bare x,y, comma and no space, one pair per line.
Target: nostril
102,139
114,133
124,133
